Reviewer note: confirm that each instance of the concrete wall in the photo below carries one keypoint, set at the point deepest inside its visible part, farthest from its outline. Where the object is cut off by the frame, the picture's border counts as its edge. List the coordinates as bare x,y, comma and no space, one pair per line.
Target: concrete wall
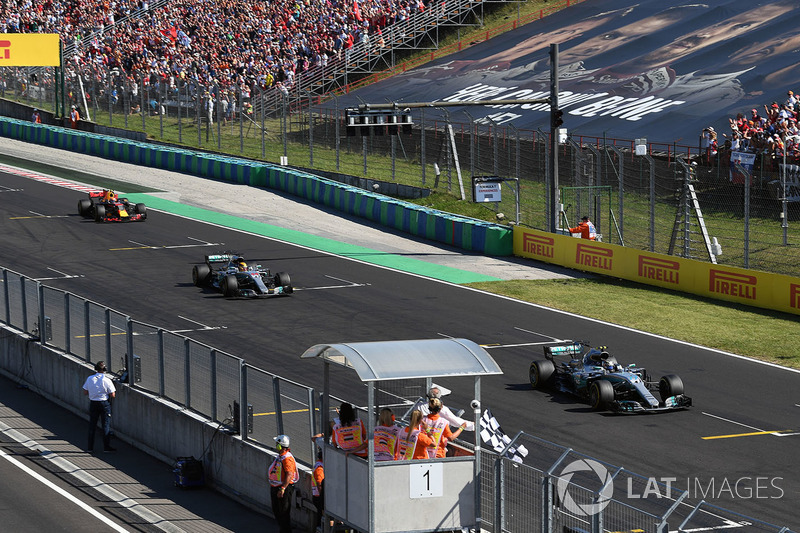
164,430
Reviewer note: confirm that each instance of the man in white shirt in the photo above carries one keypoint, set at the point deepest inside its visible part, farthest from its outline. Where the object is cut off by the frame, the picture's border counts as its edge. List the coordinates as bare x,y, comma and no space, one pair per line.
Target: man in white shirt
445,412
100,389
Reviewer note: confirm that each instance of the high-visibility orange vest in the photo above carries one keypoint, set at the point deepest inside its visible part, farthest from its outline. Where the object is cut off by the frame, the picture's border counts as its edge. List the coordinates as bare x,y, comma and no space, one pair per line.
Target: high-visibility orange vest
435,427
349,437
385,438
278,469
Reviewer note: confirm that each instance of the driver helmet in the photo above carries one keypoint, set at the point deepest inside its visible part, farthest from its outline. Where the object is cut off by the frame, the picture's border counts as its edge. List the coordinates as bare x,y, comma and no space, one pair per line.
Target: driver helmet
241,265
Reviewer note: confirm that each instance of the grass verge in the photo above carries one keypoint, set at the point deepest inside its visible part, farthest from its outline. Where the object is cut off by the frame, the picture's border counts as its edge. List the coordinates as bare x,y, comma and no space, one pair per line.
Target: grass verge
757,333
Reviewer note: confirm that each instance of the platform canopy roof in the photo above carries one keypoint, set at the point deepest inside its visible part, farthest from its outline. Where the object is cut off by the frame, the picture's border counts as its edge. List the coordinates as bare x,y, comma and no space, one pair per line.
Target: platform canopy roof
423,358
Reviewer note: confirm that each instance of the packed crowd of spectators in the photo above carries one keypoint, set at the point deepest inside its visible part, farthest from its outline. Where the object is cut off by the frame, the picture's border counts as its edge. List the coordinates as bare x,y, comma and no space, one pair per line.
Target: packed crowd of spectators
230,43
773,132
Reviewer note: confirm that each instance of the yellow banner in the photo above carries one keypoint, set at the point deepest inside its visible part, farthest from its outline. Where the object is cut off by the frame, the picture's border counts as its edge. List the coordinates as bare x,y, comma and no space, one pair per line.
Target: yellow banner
29,50
749,287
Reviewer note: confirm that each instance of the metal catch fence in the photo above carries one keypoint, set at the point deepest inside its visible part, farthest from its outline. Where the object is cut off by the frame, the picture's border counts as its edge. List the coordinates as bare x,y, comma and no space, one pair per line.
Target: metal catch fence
673,199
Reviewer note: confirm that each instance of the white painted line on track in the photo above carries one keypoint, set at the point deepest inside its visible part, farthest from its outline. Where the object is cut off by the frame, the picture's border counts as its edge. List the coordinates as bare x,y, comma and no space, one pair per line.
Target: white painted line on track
347,284
62,492
63,275
203,327
521,344
111,494
733,422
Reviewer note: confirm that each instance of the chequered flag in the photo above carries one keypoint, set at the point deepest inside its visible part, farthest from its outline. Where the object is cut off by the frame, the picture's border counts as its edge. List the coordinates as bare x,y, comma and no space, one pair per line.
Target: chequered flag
492,435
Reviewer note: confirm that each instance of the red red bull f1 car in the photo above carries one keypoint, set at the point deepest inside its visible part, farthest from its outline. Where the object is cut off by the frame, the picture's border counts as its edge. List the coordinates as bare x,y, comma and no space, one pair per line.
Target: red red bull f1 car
107,206
595,376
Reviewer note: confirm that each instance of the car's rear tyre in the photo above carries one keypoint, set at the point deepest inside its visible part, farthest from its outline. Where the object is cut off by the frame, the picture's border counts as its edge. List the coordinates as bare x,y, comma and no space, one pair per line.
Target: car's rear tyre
230,285
601,394
670,385
282,279
541,372
85,208
99,213
201,275
141,209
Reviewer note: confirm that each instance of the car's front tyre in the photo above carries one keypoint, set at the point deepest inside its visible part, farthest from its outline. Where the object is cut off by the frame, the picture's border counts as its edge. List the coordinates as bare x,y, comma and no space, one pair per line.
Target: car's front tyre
282,279
670,385
601,394
230,285
85,208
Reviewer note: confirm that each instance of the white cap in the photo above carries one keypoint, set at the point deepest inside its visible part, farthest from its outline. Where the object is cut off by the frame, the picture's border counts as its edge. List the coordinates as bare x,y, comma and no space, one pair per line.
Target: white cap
282,440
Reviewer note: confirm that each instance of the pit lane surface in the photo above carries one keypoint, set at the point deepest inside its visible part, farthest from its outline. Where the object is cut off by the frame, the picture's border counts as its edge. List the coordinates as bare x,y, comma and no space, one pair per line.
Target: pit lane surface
144,270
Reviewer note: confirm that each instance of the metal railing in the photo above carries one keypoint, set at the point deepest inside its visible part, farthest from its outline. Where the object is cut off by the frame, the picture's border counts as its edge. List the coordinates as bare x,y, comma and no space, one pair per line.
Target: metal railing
549,488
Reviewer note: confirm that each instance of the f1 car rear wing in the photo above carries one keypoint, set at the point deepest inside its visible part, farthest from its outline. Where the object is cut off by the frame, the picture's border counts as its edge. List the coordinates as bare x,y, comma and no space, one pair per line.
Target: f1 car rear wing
573,349
219,258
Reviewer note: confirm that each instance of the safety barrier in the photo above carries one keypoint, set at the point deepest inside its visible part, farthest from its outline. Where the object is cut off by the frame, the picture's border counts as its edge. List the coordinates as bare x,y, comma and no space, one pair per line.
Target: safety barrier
466,233
180,393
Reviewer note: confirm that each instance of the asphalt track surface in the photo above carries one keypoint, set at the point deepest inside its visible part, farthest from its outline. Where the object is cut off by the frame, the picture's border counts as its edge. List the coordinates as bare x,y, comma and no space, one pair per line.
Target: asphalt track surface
144,270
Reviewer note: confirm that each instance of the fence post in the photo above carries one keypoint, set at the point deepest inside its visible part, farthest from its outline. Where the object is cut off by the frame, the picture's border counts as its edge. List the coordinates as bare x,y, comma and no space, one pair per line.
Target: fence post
276,392
187,373
130,359
242,422
310,132
42,321
24,304
180,105
547,496
107,314
161,107
143,104
261,93
336,128
197,118
161,377
499,486
747,185
422,155
87,327
213,362
241,121
312,408
109,91
6,300
67,324
219,112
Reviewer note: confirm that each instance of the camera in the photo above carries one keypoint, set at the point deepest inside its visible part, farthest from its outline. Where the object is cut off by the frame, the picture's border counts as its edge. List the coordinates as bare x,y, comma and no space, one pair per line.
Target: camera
475,404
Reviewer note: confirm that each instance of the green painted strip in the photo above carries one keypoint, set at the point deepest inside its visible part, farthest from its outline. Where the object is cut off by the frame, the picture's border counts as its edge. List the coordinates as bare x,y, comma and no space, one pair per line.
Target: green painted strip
404,264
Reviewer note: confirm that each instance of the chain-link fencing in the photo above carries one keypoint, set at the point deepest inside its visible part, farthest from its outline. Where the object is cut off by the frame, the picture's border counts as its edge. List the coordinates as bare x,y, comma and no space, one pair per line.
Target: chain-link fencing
672,199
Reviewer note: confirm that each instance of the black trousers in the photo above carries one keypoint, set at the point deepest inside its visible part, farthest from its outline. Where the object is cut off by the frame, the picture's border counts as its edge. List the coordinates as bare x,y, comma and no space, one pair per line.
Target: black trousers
100,411
282,507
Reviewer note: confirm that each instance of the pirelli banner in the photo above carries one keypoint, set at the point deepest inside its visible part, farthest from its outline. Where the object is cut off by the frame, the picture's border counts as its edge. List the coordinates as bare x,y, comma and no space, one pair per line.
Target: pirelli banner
749,287
29,50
